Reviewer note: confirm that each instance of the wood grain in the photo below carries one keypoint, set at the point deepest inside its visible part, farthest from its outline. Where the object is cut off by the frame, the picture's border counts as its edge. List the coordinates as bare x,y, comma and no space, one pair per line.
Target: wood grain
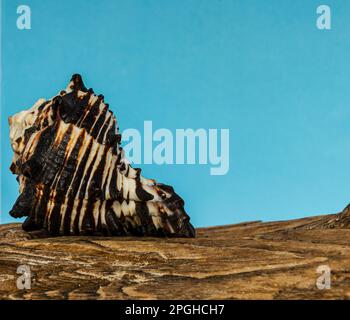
254,260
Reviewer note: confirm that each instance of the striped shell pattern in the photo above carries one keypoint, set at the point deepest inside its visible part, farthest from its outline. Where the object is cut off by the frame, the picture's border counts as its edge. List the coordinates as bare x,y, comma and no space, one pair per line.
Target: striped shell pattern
74,178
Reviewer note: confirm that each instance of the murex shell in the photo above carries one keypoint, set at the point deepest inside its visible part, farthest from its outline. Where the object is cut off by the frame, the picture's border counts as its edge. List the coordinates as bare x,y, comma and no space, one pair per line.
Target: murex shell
74,178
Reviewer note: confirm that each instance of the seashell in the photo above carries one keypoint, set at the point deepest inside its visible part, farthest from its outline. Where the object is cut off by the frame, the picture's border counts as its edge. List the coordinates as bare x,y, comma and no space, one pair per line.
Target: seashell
74,178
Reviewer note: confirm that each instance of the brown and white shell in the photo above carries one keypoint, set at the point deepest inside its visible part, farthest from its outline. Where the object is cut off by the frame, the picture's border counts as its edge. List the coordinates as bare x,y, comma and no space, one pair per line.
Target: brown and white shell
74,178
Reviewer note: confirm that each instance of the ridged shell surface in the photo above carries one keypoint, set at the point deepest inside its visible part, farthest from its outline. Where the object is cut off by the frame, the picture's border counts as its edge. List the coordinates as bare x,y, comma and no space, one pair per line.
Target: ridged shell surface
74,178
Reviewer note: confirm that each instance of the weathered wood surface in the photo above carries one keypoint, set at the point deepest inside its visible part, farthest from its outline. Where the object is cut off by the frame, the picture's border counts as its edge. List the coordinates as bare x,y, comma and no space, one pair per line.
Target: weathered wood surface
275,260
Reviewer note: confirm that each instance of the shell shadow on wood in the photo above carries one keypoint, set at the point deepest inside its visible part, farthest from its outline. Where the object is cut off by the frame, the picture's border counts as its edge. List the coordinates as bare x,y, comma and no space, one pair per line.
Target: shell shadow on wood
74,178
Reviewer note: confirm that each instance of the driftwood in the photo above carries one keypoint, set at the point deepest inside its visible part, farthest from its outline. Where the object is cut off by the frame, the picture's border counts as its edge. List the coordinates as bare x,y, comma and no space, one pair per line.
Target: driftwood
254,260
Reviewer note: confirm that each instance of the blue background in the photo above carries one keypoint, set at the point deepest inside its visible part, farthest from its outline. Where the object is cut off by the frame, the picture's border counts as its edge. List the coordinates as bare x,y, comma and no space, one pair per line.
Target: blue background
260,68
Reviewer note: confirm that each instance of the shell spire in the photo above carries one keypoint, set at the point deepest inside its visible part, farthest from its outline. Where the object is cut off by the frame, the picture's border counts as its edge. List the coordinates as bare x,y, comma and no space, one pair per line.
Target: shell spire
74,178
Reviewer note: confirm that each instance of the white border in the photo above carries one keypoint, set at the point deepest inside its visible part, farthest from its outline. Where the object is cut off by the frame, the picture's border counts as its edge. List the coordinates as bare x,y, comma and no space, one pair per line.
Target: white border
1,114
